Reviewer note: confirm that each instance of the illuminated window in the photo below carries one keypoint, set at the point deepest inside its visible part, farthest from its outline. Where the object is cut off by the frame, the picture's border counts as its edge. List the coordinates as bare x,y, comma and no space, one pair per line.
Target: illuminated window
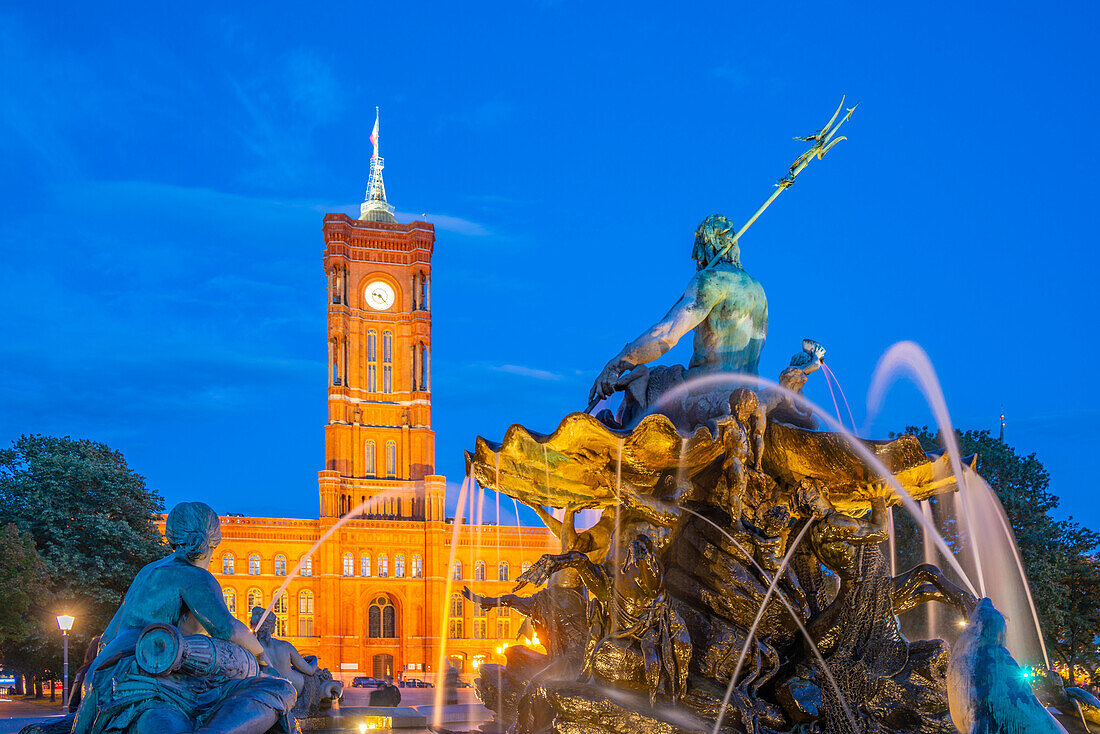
479,571
307,566
370,459
230,600
305,602
372,361
391,459
382,618
503,629
227,563
254,565
456,605
255,599
364,564
280,565
458,571
458,662
479,629
383,566
387,362
502,570
417,568
280,616
476,661
454,629
399,567
349,564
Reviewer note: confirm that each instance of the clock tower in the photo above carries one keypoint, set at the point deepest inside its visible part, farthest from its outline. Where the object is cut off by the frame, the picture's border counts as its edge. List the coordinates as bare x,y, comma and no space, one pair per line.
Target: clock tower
379,443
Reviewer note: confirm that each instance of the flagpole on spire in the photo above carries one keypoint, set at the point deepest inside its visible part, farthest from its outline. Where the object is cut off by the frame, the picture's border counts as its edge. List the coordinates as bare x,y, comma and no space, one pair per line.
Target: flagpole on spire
375,208
374,135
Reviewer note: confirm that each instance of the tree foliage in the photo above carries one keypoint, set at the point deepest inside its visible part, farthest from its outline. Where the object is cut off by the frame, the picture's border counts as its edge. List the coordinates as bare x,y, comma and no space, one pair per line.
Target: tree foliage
1059,556
92,523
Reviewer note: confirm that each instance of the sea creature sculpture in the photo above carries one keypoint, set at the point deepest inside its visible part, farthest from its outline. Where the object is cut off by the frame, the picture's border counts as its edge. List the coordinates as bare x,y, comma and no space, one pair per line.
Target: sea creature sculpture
985,689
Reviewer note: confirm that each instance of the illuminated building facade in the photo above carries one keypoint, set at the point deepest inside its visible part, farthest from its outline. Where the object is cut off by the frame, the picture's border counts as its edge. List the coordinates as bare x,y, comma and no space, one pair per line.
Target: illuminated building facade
377,597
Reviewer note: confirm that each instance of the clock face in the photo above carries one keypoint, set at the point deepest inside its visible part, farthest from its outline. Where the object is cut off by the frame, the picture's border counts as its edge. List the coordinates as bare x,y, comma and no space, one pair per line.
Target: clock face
380,295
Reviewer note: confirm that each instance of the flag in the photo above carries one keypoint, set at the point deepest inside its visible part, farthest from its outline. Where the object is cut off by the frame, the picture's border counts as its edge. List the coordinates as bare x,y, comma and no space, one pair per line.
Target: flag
374,135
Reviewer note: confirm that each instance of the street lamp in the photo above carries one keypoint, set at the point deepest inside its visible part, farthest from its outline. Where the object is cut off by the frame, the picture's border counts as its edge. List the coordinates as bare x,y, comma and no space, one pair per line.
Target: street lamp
65,623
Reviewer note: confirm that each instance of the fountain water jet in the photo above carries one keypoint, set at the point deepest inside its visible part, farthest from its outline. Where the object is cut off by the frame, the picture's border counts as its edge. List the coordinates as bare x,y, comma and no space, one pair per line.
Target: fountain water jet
445,615
351,515
908,357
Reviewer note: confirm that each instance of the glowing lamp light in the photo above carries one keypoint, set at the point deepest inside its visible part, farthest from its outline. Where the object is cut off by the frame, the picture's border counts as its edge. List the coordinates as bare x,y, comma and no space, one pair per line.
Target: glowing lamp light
65,622
962,622
376,723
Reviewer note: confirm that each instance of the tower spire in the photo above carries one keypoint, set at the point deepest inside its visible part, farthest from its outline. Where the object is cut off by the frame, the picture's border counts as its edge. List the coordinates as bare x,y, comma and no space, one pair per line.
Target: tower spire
375,208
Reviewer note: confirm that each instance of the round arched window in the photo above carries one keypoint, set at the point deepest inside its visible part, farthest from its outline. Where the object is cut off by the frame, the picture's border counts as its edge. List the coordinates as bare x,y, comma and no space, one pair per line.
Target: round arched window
382,618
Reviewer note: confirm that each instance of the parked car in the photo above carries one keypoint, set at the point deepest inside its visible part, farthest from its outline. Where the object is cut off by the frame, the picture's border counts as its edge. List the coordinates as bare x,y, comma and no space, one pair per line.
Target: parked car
365,681
416,683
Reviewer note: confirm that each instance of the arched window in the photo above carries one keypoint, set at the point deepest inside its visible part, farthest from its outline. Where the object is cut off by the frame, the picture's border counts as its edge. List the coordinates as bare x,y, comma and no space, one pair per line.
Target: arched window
372,361
305,613
503,629
391,459
255,599
424,367
227,563
230,601
456,605
305,602
458,571
280,565
477,660
307,566
254,565
417,568
479,571
387,362
370,459
364,564
503,611
502,571
382,618
399,566
349,564
280,616
383,566
479,611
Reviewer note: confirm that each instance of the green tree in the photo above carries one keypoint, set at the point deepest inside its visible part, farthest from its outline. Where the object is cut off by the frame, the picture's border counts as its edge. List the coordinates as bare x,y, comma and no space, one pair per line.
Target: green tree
24,604
92,521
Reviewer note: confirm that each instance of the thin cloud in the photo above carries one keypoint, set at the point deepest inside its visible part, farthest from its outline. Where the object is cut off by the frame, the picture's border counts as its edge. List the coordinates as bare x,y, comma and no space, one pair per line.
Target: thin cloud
535,374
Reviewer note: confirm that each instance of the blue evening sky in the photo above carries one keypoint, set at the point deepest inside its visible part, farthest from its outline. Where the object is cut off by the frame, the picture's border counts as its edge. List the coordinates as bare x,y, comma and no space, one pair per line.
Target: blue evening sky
166,168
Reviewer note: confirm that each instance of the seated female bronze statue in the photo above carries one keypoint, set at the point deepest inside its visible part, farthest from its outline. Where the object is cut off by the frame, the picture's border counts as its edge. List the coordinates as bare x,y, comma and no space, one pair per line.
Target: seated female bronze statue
181,598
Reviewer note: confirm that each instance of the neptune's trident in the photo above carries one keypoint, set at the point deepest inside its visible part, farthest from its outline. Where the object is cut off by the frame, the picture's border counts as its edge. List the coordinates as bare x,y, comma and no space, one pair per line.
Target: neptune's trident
823,141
